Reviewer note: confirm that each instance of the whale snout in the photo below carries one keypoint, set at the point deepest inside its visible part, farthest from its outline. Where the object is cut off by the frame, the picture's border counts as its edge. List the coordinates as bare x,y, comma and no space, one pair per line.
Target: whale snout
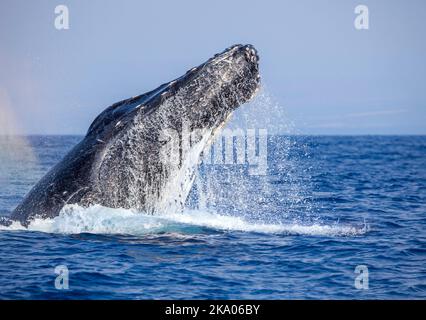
245,66
247,51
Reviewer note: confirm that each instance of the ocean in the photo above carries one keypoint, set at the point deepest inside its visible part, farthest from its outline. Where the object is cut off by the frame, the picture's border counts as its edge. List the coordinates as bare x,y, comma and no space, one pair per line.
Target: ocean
331,217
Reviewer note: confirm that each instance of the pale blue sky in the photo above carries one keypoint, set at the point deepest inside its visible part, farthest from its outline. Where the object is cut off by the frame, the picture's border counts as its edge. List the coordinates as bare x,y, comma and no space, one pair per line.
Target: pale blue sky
329,77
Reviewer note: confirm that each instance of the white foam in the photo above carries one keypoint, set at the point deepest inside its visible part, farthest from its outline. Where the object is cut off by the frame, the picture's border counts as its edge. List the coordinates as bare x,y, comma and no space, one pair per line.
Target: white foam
100,220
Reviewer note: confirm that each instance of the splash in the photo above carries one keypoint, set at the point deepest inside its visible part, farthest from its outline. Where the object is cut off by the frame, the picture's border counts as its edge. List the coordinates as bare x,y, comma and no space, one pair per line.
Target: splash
264,111
101,220
282,192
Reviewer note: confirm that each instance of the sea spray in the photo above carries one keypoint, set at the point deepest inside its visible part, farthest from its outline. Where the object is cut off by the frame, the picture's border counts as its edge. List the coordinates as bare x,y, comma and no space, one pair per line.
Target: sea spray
281,193
100,220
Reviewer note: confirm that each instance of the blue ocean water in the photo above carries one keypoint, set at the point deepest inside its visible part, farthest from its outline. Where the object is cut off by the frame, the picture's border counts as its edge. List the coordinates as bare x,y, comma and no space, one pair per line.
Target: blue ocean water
325,206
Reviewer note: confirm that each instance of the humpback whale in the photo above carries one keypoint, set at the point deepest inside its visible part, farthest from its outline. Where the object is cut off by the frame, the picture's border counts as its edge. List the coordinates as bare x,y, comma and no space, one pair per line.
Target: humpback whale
121,162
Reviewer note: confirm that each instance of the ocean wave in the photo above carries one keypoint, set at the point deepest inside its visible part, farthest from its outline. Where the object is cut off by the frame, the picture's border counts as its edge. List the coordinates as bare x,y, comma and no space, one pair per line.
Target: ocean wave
74,219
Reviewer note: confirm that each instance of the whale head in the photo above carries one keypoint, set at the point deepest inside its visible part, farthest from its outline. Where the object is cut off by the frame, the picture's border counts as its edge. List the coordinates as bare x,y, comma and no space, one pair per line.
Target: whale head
204,95
149,145
214,89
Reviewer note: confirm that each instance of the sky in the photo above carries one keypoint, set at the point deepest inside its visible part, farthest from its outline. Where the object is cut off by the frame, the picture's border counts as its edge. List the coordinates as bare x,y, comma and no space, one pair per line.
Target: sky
325,75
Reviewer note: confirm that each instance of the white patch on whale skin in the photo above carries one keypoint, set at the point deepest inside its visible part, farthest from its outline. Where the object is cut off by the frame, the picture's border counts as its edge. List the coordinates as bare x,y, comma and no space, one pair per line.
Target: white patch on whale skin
179,184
